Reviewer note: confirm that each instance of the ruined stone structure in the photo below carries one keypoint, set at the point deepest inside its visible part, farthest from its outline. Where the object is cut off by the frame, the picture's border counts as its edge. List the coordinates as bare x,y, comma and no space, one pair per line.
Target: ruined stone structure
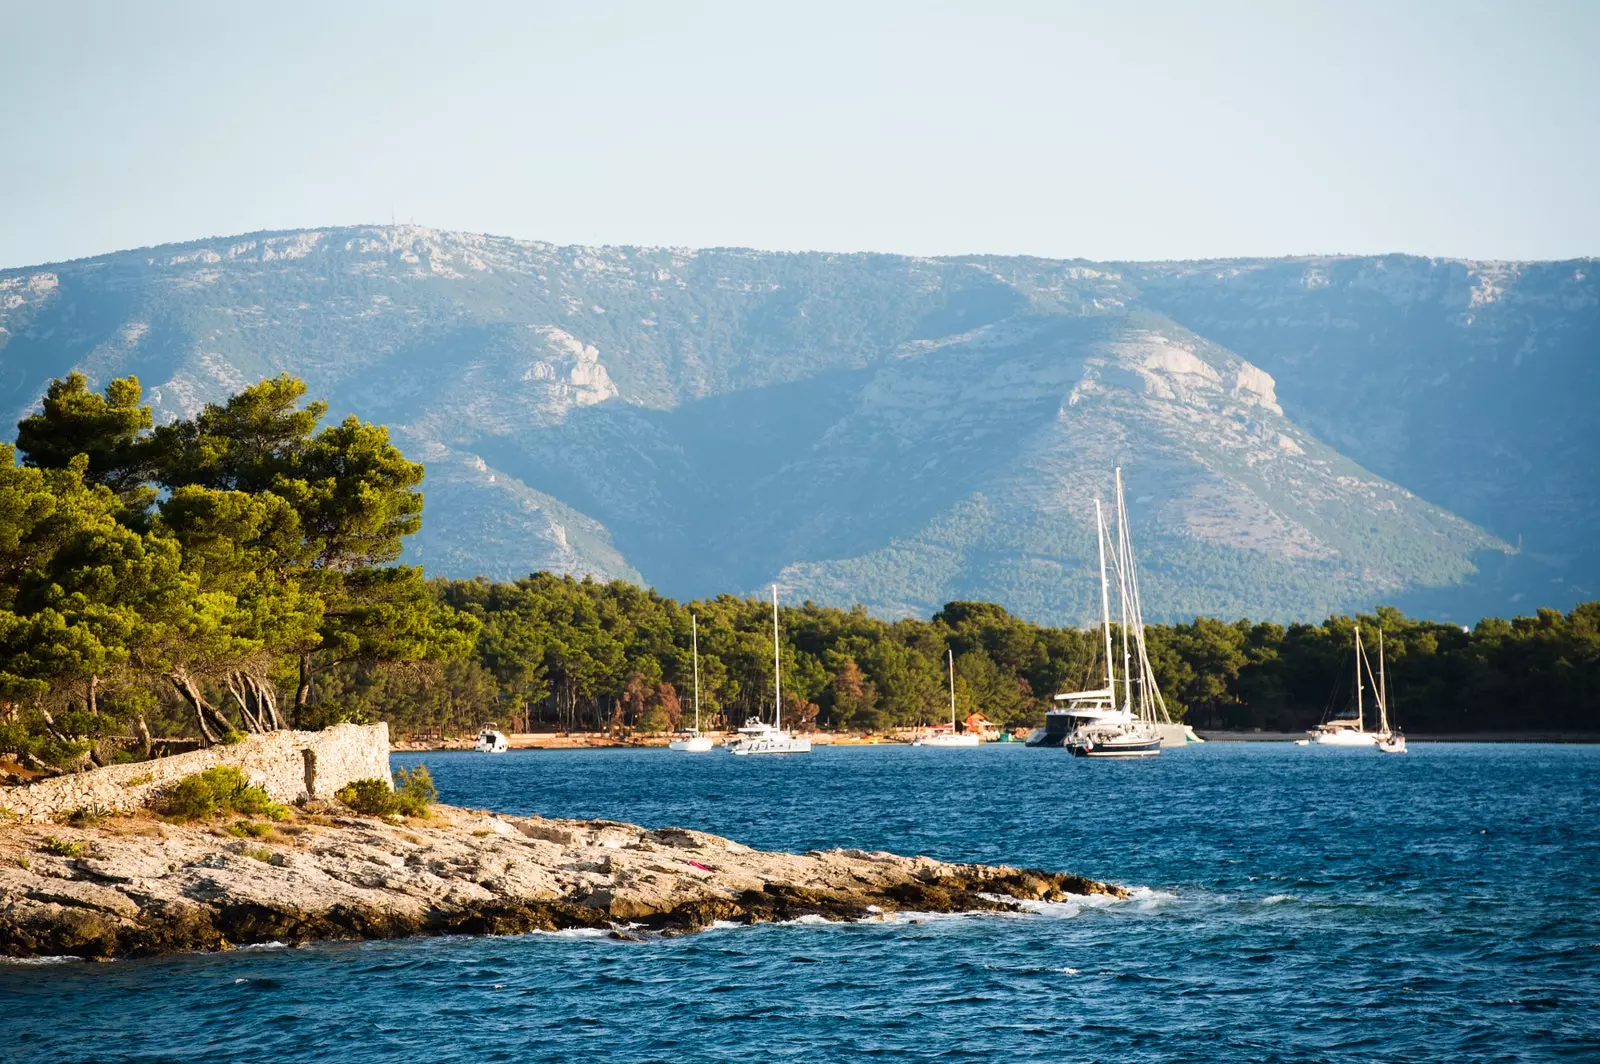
289,765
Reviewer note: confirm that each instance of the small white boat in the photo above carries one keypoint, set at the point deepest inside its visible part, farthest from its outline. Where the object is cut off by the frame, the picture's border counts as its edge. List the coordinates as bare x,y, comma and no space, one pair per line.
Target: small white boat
491,740
1389,740
951,737
758,737
691,741
1352,731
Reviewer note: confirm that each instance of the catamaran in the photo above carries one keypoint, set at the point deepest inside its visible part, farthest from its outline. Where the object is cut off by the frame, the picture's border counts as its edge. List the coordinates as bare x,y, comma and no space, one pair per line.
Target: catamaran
692,741
951,737
757,736
1352,731
1094,723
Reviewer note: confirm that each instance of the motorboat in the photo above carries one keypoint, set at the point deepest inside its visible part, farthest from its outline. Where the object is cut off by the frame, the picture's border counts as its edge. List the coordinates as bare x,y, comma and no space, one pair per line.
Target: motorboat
951,737
491,740
690,740
757,736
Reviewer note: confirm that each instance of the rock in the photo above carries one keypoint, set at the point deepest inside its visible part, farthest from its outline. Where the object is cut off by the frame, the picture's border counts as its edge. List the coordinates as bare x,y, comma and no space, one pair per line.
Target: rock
151,889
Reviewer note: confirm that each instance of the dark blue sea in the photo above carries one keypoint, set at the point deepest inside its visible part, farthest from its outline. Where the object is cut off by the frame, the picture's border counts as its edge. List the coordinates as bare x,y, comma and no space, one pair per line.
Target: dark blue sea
1294,905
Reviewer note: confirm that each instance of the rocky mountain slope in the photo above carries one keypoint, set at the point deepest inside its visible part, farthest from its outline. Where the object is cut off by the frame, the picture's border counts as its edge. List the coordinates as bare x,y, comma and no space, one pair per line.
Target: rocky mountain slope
1297,435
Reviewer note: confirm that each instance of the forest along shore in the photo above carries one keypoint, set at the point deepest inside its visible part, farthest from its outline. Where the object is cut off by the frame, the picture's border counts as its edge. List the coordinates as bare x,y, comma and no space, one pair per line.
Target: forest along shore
136,885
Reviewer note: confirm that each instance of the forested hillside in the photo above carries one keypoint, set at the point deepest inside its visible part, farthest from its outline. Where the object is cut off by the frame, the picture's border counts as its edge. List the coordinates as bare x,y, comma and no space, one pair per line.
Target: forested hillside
1300,437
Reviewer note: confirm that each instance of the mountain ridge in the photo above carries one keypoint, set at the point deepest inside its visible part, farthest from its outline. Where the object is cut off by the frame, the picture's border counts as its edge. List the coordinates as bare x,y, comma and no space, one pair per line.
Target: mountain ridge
663,414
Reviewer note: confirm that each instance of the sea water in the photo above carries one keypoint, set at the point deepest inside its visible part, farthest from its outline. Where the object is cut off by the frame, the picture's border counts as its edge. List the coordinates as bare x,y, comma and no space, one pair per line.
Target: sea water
1292,904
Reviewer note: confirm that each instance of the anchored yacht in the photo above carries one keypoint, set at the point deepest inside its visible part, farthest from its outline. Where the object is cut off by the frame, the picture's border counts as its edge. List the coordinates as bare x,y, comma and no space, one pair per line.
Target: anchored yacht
951,737
757,737
1098,723
491,740
691,741
1352,731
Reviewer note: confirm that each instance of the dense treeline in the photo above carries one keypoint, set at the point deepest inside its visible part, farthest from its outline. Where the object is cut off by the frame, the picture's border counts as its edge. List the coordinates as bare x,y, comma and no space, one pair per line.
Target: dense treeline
173,580
554,651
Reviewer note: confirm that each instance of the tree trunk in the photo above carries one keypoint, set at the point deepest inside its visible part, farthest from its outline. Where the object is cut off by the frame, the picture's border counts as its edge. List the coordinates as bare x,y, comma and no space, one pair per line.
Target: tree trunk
236,688
302,693
213,725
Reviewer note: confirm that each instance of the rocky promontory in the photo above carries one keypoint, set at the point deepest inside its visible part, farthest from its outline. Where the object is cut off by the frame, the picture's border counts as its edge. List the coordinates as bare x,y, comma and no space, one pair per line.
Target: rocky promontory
137,885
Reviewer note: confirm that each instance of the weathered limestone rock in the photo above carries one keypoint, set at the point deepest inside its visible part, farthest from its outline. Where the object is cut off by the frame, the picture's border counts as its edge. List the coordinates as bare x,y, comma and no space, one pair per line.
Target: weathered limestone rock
145,887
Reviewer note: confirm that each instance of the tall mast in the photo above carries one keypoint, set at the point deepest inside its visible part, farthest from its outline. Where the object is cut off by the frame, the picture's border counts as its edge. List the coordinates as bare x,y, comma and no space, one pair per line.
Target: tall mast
777,666
1360,718
694,637
1105,602
951,654
1383,690
1122,600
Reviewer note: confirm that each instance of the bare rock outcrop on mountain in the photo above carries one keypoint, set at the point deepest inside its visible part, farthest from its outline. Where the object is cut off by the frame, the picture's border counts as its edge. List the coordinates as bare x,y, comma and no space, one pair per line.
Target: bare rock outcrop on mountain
1299,435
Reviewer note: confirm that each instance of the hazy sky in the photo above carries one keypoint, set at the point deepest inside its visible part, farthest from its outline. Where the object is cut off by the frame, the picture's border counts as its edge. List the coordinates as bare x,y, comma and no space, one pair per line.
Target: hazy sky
1099,130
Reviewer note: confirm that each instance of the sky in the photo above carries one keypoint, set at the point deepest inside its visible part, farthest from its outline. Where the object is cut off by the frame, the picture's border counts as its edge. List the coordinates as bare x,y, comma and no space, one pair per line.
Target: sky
1103,131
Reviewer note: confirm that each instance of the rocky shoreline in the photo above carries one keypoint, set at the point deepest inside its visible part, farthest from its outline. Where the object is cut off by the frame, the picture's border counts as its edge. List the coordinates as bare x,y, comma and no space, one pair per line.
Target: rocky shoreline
134,886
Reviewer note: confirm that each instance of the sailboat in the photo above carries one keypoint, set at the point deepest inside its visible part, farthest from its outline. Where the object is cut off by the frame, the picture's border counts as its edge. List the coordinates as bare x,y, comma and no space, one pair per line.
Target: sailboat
757,736
1352,731
692,741
1094,723
952,737
1389,741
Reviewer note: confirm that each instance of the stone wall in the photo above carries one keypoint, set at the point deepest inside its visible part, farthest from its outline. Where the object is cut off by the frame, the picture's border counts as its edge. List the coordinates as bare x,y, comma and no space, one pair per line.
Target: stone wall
290,765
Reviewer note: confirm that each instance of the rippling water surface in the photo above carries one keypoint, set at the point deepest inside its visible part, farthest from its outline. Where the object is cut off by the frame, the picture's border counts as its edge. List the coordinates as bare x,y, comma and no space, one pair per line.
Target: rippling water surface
1296,905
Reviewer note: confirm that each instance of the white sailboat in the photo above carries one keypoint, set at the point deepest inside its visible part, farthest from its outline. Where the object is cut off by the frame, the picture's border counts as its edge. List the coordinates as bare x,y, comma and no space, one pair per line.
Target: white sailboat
758,737
952,737
1389,740
1102,727
692,741
1352,731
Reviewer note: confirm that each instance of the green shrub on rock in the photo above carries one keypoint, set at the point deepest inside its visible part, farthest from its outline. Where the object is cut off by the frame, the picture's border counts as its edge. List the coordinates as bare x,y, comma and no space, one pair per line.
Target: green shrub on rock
413,795
218,790
65,847
369,797
415,792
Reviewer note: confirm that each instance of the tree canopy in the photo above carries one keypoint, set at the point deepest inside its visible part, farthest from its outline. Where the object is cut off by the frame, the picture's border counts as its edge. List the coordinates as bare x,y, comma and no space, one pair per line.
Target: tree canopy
212,559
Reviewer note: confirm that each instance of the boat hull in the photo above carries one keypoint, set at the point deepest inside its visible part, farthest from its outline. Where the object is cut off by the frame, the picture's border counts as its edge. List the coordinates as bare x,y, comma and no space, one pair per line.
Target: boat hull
770,747
948,740
1344,737
699,744
1132,748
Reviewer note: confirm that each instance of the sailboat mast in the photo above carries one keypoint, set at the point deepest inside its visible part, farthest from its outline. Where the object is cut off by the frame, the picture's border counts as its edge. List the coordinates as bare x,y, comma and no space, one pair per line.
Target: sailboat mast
1383,690
777,666
1360,718
1105,602
951,654
694,641
1122,600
